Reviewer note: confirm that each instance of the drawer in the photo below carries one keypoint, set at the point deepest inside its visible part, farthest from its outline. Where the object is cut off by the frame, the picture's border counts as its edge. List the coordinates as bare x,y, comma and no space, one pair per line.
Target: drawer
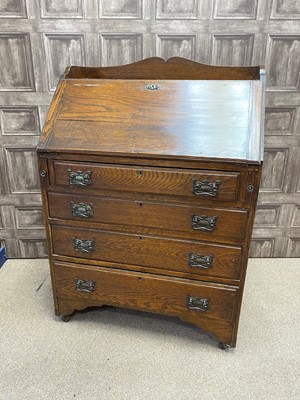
142,291
160,253
221,186
200,223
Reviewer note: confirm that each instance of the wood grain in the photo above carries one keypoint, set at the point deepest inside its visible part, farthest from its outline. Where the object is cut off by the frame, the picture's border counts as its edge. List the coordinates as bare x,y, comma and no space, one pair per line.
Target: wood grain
176,182
145,151
145,292
177,120
222,330
158,68
166,219
154,252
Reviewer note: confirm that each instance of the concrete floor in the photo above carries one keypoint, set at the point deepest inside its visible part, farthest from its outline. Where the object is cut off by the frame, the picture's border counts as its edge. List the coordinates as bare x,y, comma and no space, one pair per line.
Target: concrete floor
111,353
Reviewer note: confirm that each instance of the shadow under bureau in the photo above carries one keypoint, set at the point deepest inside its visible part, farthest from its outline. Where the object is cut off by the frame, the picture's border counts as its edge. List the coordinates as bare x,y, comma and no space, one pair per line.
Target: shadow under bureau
150,175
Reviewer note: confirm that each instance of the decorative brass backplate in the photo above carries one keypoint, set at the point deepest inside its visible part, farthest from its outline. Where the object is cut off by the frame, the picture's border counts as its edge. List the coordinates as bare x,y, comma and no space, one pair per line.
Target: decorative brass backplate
197,303
200,261
84,246
204,223
206,188
82,210
79,178
84,285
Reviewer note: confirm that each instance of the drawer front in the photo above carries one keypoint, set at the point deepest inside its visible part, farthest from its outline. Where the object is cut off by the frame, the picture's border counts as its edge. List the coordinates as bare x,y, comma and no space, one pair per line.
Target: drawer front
166,254
200,223
221,186
144,291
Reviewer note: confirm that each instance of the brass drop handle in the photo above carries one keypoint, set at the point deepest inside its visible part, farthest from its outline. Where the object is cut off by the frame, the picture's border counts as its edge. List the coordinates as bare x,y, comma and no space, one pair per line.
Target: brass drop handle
82,210
206,188
83,245
197,303
200,261
86,286
79,178
204,223
152,86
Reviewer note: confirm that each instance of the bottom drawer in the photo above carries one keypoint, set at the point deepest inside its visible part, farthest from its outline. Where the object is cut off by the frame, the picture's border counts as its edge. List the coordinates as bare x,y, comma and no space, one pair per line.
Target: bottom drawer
142,291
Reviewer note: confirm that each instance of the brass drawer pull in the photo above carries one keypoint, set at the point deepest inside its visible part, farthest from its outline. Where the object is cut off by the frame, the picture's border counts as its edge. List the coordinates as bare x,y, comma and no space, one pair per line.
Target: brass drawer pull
82,210
84,246
204,223
85,286
79,178
200,261
197,303
152,86
206,188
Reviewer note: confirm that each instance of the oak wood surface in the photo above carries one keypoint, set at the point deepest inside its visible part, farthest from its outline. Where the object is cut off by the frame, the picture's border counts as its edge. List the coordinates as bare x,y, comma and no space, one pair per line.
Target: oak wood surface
168,220
154,252
143,151
120,178
207,277
157,68
222,330
211,119
145,291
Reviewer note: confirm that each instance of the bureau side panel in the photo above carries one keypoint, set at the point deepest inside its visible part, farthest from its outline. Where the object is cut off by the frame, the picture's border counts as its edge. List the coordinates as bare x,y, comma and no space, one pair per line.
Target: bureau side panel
254,179
44,178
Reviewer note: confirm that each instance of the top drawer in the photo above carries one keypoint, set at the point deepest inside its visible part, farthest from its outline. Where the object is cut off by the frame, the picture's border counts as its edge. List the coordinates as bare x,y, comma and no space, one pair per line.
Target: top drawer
218,185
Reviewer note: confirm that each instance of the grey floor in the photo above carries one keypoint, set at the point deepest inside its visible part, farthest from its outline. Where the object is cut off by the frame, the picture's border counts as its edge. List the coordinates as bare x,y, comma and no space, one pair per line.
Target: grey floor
110,353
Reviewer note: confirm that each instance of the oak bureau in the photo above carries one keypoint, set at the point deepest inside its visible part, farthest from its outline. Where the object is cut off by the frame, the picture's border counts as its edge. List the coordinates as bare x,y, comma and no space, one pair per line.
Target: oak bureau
150,175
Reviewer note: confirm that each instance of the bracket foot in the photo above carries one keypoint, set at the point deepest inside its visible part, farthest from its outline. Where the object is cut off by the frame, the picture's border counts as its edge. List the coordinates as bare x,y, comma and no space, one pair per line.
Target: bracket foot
65,318
223,346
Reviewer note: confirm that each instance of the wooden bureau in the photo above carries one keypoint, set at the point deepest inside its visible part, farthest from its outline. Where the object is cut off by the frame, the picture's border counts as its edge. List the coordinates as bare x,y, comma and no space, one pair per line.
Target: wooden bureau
150,175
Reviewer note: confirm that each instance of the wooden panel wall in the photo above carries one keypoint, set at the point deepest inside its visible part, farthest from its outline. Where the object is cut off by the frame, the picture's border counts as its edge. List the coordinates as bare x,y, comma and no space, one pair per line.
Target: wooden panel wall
38,38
